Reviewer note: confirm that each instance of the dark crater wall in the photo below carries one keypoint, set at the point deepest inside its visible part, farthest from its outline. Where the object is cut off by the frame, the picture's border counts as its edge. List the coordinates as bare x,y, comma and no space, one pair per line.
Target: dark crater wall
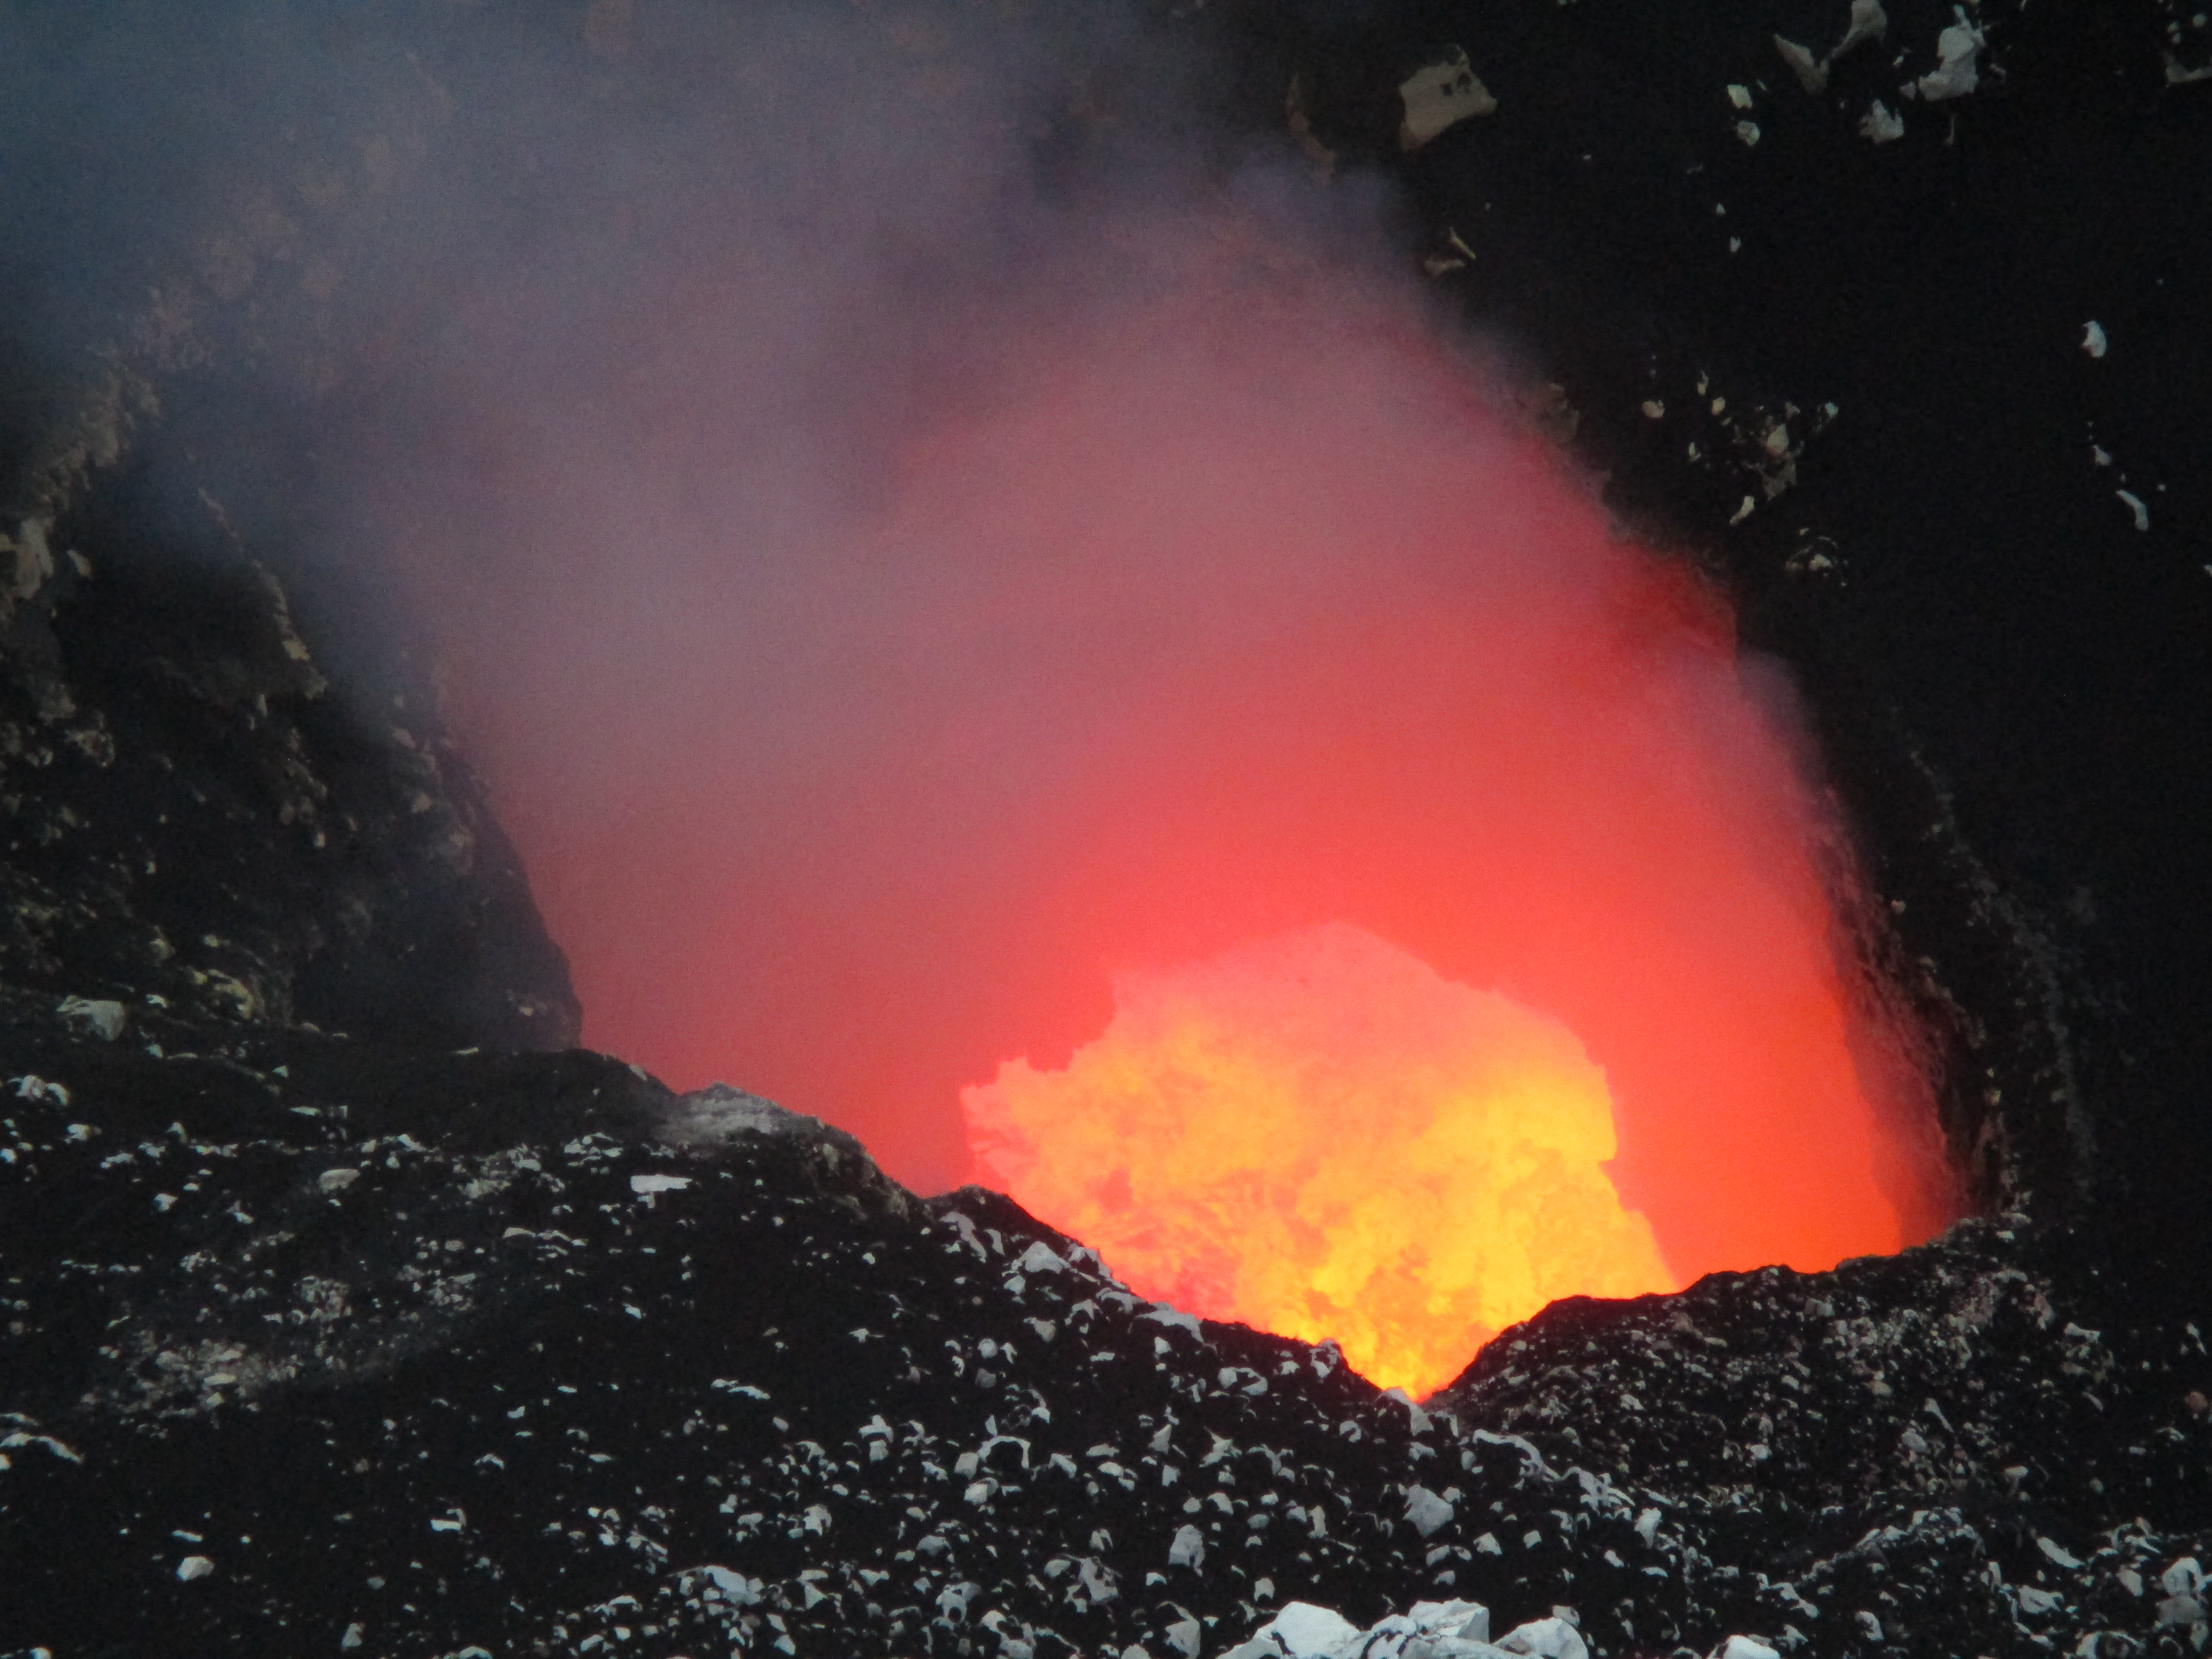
2009,676
194,815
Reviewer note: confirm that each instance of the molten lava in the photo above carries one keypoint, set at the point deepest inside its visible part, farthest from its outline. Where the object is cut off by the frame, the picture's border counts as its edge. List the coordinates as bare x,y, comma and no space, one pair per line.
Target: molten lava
1212,606
1320,1136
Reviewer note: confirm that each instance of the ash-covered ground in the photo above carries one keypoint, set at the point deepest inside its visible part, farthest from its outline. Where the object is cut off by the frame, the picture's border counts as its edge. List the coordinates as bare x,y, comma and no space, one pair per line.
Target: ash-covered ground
316,1347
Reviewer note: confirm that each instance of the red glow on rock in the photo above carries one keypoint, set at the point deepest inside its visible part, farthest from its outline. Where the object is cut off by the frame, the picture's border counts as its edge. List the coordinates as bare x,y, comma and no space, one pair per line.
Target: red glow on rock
1317,1135
1212,619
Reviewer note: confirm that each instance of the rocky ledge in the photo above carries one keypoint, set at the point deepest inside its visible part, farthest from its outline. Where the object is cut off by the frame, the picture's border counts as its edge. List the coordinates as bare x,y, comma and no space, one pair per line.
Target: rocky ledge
315,1345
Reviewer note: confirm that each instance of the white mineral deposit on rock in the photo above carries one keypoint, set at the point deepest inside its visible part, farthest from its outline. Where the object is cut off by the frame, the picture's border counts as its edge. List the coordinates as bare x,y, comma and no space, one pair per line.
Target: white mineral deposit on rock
1869,22
1881,124
1812,74
1438,96
94,1016
1425,1511
1955,74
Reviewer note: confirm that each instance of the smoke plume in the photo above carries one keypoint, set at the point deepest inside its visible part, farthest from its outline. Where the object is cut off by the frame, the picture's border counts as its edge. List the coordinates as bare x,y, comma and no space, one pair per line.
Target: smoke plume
921,517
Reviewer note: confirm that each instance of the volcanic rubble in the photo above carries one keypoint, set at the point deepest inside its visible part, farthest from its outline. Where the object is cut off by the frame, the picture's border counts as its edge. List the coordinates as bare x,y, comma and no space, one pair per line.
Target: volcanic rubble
319,1346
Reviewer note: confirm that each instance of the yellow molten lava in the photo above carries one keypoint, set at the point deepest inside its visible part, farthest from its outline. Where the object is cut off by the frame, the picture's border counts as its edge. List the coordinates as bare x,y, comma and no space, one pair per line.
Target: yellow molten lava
1320,1136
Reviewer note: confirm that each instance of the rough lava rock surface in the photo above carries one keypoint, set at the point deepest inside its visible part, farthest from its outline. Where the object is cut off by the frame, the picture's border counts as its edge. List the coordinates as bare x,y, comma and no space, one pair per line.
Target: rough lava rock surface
194,816
524,1353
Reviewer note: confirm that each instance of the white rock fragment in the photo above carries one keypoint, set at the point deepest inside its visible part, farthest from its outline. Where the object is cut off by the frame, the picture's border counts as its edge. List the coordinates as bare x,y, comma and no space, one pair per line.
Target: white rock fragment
1868,22
1743,512
1812,74
1744,1647
2092,338
37,1088
1041,1258
1747,133
1739,94
31,560
2180,1610
737,1589
194,1566
1187,1548
1955,74
1647,1527
354,1635
1438,96
719,1112
1654,409
1546,1638
1881,124
89,1017
1303,1631
2057,1554
21,1437
337,1181
1097,1580
1425,1511
2135,504
1451,1621
645,1186
2183,1577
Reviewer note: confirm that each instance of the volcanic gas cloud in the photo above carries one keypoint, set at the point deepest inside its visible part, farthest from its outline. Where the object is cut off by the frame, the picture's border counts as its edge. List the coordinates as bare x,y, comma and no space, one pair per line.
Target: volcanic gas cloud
1320,1135
1356,891
1115,659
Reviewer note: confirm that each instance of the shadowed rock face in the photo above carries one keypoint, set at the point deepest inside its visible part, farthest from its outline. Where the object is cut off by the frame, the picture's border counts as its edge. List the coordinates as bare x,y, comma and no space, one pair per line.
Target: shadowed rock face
422,1352
194,816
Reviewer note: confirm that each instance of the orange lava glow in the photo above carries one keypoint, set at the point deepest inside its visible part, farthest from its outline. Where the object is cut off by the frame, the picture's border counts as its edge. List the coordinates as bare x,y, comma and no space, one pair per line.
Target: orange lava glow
1319,1136
1201,619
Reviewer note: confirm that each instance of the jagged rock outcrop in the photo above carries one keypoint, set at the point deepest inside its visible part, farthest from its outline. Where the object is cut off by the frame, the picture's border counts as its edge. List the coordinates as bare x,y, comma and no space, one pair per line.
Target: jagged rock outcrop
310,1343
195,820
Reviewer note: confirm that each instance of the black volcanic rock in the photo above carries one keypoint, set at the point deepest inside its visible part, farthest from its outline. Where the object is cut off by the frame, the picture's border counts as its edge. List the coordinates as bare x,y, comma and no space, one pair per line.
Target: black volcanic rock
193,818
1937,1439
518,1378
526,1354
